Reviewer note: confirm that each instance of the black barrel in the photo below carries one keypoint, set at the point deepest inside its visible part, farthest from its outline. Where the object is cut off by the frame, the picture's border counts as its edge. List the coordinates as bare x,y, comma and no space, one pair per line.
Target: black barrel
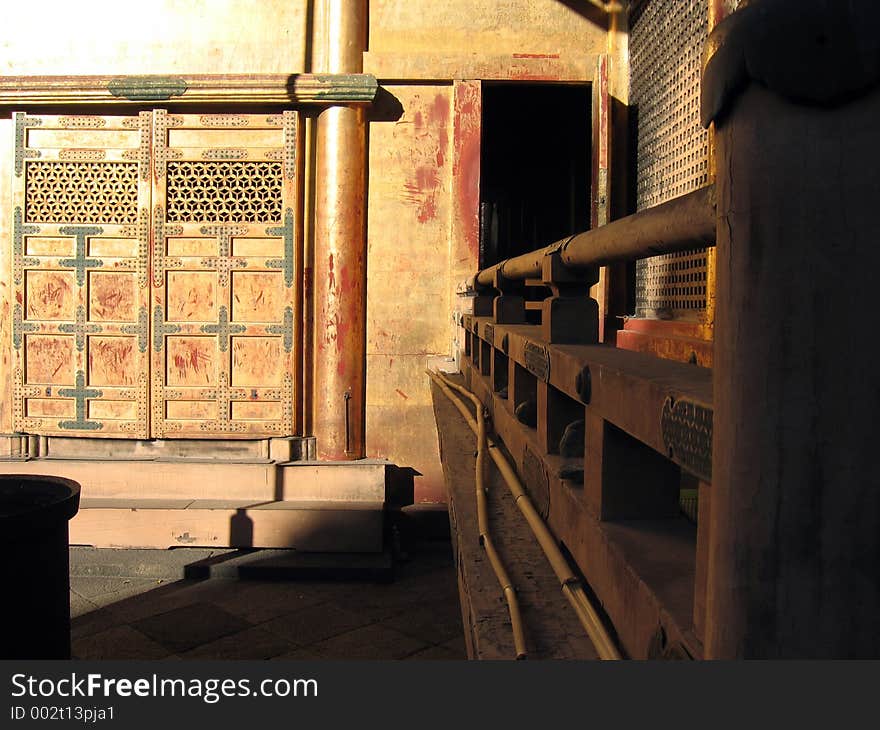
35,565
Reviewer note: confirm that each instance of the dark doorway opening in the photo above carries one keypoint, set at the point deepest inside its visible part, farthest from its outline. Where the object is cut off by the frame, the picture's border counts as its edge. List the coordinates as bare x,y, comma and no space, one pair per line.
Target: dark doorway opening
535,167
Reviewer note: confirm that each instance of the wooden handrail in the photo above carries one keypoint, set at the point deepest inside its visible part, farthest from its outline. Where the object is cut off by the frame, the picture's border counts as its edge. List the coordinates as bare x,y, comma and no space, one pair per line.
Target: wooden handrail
682,224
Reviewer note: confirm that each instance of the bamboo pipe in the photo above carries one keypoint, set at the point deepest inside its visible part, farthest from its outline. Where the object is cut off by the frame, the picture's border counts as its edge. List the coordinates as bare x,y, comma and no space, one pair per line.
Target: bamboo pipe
479,428
571,585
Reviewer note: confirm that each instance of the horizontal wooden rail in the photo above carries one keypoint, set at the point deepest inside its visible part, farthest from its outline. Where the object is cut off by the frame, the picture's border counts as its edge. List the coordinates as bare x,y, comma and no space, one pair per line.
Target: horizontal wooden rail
681,224
664,404
18,92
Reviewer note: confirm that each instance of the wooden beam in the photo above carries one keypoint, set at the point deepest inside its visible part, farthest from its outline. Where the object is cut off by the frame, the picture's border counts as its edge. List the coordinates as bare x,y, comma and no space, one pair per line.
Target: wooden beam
631,390
460,66
301,89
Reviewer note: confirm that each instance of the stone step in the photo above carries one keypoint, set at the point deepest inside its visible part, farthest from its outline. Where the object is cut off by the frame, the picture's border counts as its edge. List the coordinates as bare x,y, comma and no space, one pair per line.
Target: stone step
294,565
242,564
336,526
195,479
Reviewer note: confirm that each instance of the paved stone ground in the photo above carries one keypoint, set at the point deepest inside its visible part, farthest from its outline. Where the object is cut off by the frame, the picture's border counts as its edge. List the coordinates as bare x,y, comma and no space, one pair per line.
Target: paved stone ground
135,605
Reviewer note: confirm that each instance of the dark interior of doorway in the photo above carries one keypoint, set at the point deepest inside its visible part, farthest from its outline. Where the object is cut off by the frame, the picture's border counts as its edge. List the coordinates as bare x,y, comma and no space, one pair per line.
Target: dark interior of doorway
535,163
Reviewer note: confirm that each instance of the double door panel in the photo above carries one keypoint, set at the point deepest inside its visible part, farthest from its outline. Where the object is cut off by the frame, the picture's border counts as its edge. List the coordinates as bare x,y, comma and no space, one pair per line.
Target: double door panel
155,274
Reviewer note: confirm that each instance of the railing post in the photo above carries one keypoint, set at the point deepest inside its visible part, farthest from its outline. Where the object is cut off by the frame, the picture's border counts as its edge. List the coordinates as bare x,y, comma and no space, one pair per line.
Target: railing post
509,307
794,554
570,316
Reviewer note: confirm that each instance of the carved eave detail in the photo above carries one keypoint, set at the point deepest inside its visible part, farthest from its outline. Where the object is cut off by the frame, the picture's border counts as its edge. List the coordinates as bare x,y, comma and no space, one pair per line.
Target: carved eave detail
257,89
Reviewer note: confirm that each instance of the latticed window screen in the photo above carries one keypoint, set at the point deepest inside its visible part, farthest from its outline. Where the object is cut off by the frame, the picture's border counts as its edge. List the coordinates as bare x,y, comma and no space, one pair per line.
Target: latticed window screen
224,192
666,45
99,192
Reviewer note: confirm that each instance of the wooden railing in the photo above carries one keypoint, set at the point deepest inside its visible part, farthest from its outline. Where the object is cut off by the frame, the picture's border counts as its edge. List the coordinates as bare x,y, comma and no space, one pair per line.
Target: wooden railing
602,435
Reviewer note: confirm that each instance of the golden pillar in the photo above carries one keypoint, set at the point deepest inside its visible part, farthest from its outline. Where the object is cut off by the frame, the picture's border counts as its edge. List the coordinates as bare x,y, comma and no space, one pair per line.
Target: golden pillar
340,257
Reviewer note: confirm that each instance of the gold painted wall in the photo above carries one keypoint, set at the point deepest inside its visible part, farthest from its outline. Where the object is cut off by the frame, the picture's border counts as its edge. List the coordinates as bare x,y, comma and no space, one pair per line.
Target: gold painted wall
423,186
158,37
408,286
484,28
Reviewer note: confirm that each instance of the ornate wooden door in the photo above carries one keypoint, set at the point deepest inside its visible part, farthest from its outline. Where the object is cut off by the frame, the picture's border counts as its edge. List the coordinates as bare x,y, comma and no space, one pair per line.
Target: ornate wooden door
156,270
224,275
81,203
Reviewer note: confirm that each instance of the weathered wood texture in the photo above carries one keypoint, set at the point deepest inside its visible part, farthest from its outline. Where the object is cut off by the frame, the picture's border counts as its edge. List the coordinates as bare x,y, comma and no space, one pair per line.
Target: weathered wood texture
646,381
80,275
795,528
642,569
674,340
226,267
677,225
613,499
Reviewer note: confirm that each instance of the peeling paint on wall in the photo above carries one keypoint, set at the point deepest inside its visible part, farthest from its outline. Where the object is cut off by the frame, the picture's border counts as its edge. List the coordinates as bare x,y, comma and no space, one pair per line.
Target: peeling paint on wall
426,157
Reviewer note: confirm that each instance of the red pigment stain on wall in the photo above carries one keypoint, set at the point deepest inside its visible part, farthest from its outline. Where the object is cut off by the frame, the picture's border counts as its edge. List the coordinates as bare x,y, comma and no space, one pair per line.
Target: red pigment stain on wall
331,276
439,112
421,191
466,165
346,291
426,156
524,73
193,358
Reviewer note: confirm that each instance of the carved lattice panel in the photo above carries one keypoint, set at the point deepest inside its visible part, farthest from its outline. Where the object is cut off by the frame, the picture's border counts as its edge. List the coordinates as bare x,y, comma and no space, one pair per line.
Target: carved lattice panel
225,275
667,38
80,252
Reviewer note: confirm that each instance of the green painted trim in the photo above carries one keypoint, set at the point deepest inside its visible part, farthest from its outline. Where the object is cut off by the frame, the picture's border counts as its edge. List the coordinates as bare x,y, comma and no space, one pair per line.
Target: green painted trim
147,88
22,122
80,328
286,329
81,393
19,231
80,262
285,264
160,329
20,327
237,89
336,87
223,329
141,329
